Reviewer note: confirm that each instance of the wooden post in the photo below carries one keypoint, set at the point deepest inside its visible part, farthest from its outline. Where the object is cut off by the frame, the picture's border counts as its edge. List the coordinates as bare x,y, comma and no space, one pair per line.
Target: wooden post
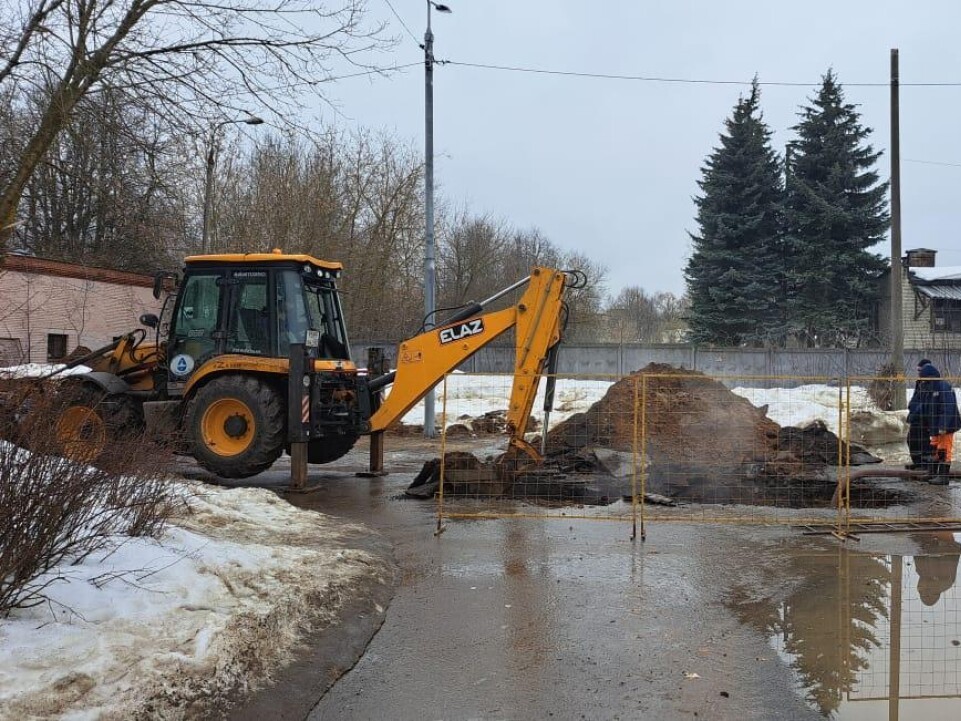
298,416
897,322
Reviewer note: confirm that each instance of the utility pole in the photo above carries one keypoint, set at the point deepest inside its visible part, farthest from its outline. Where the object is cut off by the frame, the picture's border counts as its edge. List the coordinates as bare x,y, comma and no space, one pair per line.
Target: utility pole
429,262
209,176
897,324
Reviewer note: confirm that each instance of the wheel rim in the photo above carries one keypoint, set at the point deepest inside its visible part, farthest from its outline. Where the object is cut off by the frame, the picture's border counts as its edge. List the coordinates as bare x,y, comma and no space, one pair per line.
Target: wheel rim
228,427
81,433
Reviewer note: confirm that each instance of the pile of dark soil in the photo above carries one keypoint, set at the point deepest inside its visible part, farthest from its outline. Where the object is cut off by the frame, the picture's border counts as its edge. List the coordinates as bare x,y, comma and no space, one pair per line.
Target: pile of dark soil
705,443
701,441
683,415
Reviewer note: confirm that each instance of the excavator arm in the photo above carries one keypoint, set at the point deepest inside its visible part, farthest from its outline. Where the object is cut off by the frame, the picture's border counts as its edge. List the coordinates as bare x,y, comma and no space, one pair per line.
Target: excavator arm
424,360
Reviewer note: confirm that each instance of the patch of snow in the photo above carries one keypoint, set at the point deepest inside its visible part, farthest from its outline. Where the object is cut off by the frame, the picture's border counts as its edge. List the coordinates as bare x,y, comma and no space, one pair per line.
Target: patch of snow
880,432
38,370
474,395
799,406
946,272
207,609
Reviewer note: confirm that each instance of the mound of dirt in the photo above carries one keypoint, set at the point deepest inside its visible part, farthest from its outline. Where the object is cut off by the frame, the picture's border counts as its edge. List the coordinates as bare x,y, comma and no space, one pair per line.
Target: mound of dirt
705,443
684,415
700,442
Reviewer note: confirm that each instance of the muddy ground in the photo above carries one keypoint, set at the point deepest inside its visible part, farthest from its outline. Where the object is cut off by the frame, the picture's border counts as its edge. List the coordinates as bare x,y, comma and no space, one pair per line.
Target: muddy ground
552,618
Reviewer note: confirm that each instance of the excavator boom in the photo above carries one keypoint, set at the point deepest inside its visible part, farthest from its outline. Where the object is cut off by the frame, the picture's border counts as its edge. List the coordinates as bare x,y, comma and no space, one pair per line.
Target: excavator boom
424,360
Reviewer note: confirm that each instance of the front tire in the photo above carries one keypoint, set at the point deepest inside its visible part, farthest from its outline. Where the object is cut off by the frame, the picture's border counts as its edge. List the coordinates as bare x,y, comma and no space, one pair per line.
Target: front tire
236,426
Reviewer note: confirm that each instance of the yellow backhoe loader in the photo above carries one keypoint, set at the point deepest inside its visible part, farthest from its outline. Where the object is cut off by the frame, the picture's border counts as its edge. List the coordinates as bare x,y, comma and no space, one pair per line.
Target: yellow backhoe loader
243,340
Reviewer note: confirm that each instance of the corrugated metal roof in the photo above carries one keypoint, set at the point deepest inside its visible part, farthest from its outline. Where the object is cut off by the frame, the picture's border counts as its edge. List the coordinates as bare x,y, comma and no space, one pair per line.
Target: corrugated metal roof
941,292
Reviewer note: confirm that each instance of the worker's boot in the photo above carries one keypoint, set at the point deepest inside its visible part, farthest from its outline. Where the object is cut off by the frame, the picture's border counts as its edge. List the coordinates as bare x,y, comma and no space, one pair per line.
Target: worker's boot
939,474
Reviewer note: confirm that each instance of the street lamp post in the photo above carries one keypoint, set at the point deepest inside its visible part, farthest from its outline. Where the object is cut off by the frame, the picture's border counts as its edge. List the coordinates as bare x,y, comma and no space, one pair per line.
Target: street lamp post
429,262
209,179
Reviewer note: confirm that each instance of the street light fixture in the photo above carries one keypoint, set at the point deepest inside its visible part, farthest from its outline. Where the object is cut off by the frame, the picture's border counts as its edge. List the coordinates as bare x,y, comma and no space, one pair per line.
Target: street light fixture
429,262
211,162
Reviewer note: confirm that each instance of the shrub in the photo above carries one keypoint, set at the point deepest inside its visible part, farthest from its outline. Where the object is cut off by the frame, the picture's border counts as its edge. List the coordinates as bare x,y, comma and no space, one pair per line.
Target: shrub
54,510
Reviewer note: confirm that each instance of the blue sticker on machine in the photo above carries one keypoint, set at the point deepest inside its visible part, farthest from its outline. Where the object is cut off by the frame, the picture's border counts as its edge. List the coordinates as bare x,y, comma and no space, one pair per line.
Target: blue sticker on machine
459,332
182,364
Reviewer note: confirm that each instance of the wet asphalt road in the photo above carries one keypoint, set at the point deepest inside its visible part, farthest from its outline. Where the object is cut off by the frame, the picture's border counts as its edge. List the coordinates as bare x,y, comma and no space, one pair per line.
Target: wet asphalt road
546,618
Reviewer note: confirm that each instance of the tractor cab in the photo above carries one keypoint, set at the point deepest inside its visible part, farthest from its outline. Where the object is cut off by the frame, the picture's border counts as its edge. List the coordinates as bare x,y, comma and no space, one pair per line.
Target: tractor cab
253,305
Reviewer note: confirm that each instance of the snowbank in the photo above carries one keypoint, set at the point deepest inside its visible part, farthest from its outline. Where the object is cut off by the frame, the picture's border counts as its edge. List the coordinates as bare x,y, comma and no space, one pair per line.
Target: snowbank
38,370
474,395
799,406
881,432
183,623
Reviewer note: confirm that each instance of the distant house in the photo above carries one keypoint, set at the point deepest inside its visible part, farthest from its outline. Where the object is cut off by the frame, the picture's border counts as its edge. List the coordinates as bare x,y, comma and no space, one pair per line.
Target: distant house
48,308
930,302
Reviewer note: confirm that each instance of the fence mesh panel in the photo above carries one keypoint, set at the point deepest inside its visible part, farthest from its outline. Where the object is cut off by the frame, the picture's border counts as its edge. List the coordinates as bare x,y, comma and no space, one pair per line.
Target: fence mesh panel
669,444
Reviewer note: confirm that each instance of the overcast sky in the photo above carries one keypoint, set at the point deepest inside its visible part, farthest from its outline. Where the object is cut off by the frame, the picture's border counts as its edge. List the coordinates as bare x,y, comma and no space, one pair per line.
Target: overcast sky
609,167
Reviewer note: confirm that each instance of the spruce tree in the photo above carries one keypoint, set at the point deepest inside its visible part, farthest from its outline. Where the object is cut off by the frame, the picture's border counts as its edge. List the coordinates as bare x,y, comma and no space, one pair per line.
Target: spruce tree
735,276
835,211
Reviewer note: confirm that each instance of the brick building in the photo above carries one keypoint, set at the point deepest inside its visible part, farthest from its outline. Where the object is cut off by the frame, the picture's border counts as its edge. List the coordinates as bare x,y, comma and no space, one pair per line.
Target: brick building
48,308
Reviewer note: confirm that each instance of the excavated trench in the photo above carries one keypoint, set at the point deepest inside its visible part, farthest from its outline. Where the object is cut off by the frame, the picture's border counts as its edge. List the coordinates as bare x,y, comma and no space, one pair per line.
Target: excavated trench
700,443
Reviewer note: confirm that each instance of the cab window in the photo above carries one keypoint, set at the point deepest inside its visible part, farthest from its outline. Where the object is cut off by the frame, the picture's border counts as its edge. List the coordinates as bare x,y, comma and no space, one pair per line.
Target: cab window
324,313
291,311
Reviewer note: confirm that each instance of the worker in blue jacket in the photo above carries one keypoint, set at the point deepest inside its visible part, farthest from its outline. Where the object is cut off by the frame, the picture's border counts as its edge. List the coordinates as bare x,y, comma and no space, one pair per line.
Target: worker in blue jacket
937,407
918,436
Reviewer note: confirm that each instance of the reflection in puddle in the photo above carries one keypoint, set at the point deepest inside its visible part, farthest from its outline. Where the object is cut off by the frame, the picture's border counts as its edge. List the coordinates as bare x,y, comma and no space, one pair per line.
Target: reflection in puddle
870,637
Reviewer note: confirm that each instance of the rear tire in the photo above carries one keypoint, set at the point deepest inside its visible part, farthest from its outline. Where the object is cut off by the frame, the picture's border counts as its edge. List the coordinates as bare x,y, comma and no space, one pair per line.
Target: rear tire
326,450
236,426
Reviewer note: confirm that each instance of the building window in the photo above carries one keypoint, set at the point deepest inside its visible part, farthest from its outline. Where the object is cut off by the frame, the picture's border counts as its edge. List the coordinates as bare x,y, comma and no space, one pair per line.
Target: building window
56,346
11,352
946,316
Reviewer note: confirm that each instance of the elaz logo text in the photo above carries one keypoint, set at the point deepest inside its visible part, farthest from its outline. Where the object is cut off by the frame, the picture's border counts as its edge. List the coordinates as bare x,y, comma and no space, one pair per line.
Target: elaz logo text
457,332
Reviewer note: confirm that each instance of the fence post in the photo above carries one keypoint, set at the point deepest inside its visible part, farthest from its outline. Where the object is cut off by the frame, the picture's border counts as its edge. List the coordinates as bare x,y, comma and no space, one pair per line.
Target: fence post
377,365
298,416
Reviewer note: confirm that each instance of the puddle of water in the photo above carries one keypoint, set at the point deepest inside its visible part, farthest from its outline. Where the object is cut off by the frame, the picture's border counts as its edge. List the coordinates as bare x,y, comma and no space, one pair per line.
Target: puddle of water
869,637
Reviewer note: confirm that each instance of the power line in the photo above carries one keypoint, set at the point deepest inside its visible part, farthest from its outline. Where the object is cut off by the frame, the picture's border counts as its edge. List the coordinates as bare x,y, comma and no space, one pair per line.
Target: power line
401,20
932,162
659,79
372,71
333,78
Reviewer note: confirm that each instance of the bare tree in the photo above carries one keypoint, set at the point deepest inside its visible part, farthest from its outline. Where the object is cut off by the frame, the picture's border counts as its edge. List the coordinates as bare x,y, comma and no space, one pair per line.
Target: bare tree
472,256
356,199
586,304
633,316
107,192
190,58
527,248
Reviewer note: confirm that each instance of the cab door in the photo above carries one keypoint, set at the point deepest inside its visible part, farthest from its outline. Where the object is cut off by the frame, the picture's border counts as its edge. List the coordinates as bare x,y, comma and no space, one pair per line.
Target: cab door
250,329
197,319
